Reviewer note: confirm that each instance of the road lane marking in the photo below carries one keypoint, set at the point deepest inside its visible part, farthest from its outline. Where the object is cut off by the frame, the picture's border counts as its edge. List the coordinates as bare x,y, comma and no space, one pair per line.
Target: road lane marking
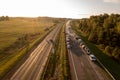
67,26
73,65
22,68
34,61
42,67
93,67
33,55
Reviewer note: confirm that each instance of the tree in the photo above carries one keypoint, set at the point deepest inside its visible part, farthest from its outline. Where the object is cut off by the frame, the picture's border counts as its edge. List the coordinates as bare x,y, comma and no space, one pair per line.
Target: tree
108,23
7,18
4,18
93,37
104,30
108,50
115,51
100,35
118,27
102,46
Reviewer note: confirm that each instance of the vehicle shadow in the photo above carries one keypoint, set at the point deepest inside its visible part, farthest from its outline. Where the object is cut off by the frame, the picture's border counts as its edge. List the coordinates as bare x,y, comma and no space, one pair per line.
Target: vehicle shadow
75,49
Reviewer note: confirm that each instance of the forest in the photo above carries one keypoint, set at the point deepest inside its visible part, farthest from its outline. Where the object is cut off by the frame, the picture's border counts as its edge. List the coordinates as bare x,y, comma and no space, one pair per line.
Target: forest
104,31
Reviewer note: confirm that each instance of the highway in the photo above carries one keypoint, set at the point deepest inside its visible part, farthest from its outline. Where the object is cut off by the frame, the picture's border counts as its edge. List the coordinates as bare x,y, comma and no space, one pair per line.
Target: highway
81,67
32,68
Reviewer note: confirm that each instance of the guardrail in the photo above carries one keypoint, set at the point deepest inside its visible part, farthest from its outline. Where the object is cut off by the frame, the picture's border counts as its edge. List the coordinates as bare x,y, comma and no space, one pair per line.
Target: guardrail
106,69
101,64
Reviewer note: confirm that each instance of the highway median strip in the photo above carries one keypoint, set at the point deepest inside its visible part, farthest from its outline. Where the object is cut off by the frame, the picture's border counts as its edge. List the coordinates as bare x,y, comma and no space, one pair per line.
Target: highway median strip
57,66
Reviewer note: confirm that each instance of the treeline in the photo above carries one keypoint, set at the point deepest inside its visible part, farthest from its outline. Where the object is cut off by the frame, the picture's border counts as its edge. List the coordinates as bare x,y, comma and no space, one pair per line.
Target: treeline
4,18
51,19
103,30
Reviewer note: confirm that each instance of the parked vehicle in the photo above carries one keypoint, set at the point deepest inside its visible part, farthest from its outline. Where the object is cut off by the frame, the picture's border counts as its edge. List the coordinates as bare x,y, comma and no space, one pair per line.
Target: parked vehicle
92,57
67,39
80,40
87,51
68,46
83,46
81,43
77,38
68,43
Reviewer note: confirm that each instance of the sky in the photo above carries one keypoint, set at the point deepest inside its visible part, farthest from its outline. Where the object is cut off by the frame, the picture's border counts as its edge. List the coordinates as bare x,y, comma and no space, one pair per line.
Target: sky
58,8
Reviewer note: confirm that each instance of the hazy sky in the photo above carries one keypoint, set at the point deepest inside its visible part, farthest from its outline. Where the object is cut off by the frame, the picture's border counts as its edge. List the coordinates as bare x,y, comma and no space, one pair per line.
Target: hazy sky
58,8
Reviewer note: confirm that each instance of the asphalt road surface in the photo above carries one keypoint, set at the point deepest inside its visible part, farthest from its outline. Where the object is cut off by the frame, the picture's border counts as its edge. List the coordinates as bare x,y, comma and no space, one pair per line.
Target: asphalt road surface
82,68
32,68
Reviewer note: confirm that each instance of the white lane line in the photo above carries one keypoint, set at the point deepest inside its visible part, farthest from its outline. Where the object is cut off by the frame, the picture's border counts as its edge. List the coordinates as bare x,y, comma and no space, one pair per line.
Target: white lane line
73,65
30,57
43,65
27,62
93,67
67,24
32,62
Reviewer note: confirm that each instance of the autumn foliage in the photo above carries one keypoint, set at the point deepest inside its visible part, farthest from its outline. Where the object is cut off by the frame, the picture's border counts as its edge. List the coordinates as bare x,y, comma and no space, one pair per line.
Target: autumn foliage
103,30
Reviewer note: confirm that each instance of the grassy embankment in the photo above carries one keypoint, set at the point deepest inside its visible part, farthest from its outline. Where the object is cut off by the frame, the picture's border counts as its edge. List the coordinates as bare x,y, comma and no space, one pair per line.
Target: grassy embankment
13,29
112,66
58,66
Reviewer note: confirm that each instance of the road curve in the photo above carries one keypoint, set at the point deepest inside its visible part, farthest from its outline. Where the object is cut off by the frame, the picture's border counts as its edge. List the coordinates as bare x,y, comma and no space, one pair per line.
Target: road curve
32,68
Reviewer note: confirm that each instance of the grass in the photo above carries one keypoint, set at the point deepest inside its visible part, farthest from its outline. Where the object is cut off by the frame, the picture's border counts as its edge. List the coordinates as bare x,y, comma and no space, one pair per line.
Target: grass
112,66
17,27
58,60
64,64
13,59
13,29
52,62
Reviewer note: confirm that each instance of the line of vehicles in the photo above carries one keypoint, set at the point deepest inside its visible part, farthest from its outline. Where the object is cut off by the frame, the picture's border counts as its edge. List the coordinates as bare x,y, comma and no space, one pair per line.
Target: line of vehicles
86,49
68,42
81,43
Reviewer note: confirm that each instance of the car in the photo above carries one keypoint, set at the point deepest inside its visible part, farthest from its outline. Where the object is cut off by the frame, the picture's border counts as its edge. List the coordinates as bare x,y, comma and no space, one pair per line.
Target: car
92,57
77,38
68,43
86,48
80,40
87,51
83,46
68,46
67,39
81,43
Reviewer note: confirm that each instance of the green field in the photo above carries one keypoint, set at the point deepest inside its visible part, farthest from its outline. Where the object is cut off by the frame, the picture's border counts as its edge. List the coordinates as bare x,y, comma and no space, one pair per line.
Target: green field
17,27
17,36
58,61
